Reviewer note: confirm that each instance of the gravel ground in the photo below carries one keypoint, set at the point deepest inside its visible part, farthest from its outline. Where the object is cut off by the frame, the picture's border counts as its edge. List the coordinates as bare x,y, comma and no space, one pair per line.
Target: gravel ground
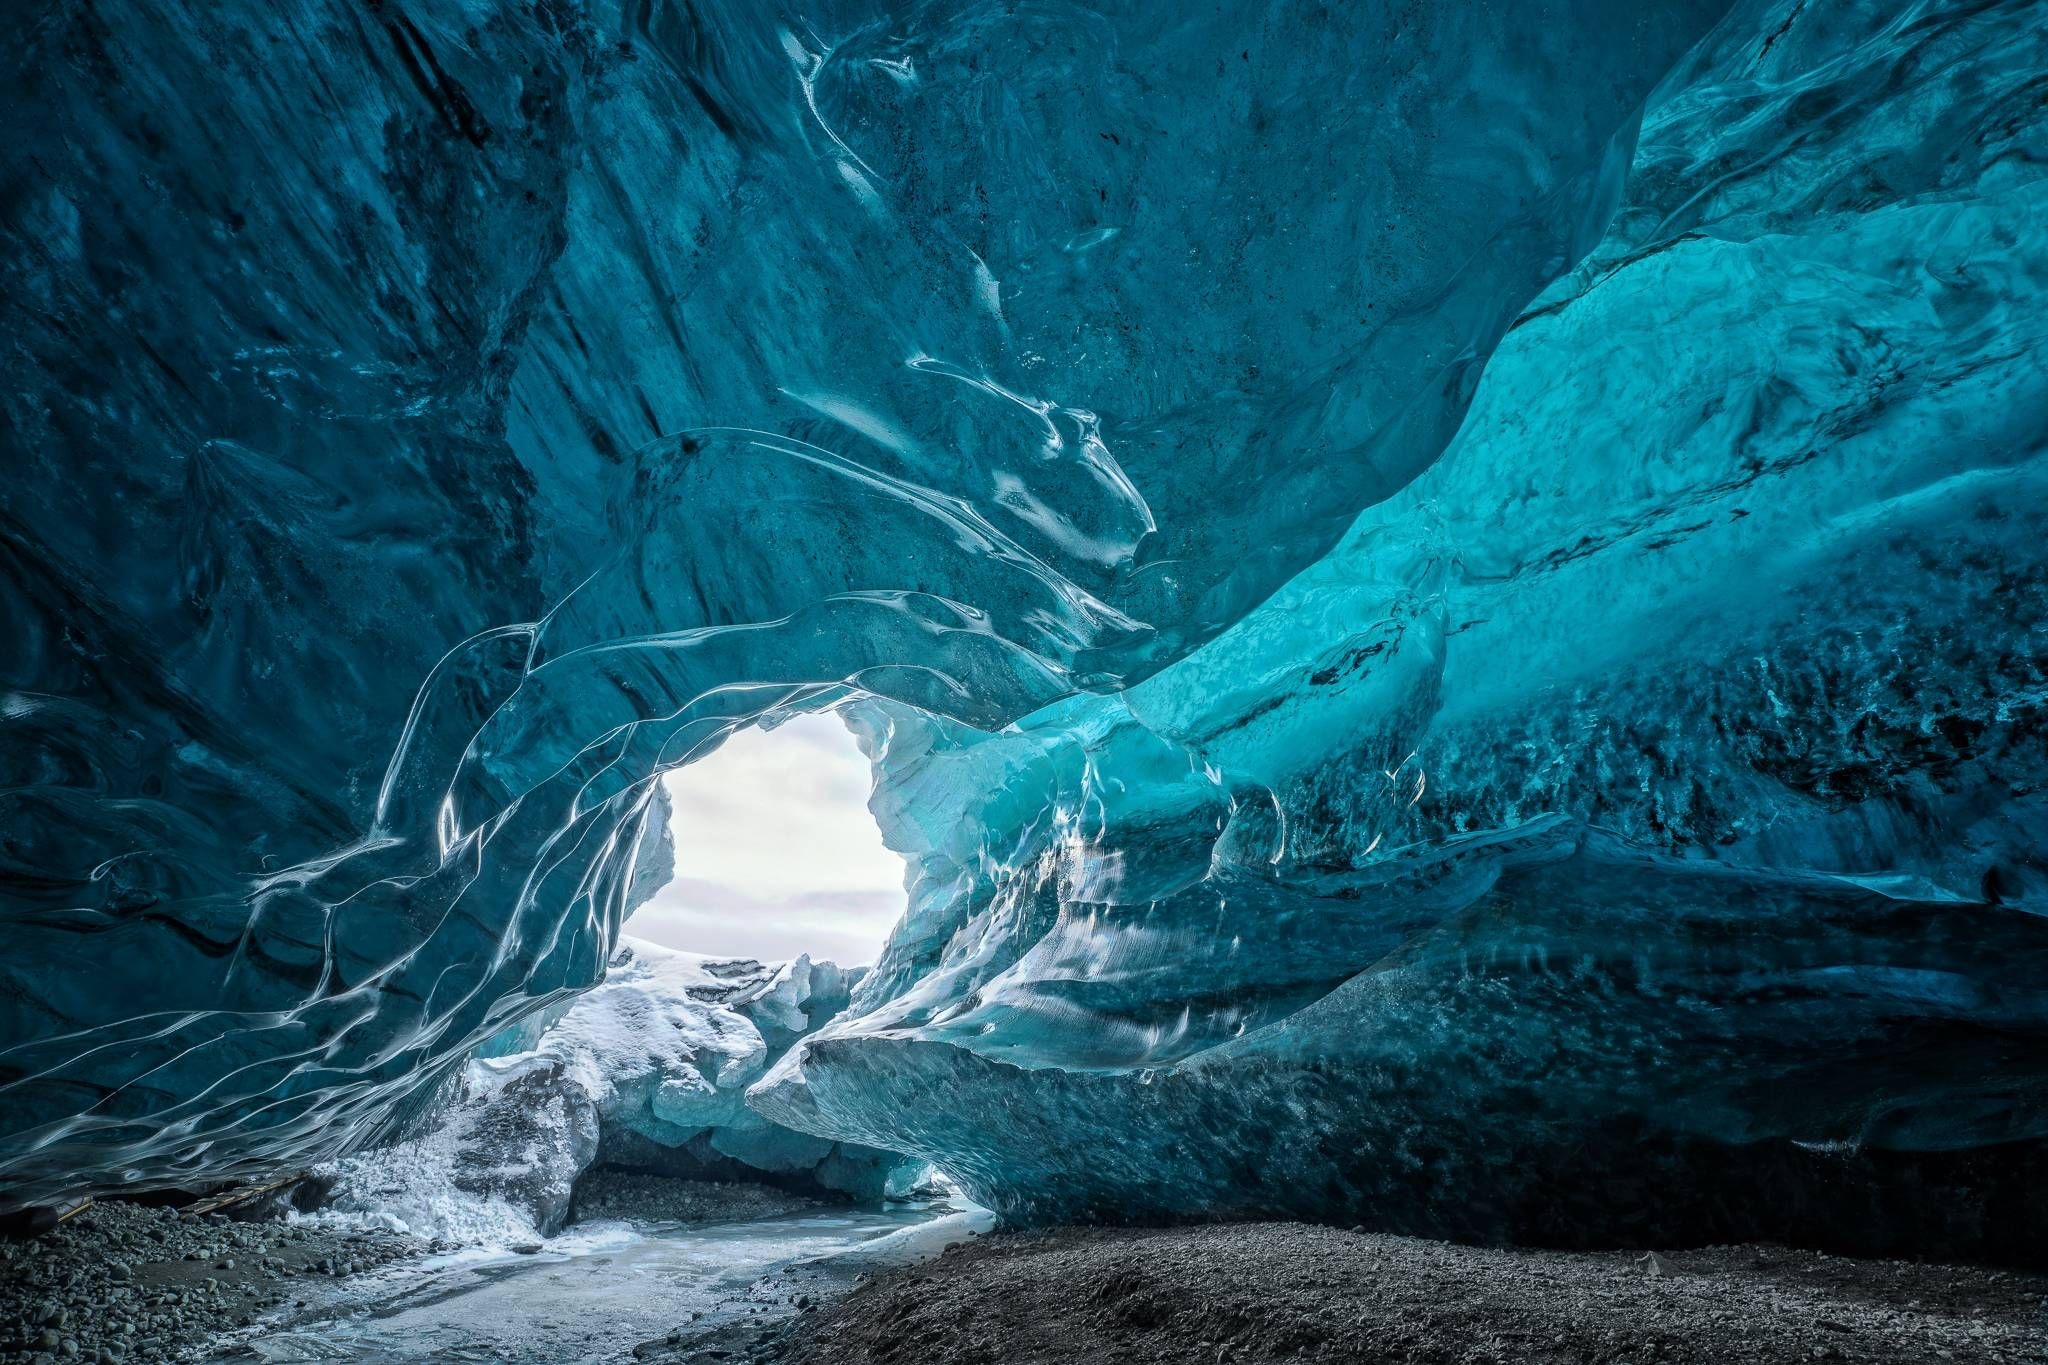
135,1284
142,1285
1284,1291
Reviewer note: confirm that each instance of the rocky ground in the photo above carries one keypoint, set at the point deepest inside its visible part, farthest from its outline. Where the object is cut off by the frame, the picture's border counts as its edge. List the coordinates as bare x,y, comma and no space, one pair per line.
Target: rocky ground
139,1285
128,1283
1269,1292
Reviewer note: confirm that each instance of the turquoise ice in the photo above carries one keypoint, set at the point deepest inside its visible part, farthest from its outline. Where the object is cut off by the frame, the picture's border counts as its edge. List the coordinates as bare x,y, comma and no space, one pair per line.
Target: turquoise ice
1446,600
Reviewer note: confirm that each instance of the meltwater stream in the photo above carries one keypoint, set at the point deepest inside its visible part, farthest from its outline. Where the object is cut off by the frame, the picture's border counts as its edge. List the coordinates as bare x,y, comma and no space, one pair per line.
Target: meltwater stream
595,1292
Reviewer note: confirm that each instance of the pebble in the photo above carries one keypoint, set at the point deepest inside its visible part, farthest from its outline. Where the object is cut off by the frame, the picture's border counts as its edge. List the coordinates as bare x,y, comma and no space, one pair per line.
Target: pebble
120,1282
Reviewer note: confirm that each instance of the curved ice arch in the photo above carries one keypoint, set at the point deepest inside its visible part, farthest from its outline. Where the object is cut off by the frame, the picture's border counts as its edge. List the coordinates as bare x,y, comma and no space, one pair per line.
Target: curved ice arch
365,347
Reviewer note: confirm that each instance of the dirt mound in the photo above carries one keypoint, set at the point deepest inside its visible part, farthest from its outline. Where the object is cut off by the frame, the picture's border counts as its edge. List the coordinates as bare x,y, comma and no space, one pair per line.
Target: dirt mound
1281,1291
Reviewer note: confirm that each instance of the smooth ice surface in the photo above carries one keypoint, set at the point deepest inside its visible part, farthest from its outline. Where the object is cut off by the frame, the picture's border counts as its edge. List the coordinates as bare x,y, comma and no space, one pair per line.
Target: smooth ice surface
426,424
1447,600
593,1294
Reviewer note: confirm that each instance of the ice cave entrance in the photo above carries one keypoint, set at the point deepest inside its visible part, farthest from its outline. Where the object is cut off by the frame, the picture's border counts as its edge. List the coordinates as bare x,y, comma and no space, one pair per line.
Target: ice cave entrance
776,853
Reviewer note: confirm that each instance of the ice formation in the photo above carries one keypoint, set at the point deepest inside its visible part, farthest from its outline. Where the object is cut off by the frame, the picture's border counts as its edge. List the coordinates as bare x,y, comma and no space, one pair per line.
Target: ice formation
1448,601
648,1070
1647,791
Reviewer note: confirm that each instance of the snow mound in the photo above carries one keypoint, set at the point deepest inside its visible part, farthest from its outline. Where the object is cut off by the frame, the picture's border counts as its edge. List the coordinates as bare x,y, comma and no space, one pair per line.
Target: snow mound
648,1070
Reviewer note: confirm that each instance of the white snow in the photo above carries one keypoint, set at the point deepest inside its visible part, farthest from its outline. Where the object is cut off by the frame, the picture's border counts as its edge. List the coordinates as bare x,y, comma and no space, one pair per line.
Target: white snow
660,1048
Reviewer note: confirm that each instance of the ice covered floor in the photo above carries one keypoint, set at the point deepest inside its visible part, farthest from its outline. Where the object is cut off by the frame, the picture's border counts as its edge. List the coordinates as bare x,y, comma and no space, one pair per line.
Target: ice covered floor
594,1293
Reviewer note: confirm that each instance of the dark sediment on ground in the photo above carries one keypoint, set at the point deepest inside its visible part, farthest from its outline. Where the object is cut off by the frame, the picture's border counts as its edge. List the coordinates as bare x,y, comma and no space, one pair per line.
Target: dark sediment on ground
140,1284
146,1284
1283,1291
610,1192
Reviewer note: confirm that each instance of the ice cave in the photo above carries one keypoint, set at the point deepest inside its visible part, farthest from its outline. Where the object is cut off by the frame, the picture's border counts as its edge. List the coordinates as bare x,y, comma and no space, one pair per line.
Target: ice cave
1444,604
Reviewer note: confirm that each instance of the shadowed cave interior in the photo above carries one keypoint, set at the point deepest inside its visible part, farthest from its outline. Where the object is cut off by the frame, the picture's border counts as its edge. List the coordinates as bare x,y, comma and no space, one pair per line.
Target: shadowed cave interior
1444,605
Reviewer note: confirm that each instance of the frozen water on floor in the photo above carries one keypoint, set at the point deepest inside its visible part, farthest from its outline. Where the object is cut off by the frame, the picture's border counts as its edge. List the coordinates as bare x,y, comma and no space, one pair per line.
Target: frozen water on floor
589,1295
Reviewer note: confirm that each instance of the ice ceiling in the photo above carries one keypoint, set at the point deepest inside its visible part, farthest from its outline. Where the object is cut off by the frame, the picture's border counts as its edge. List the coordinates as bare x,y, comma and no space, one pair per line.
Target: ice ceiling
1448,600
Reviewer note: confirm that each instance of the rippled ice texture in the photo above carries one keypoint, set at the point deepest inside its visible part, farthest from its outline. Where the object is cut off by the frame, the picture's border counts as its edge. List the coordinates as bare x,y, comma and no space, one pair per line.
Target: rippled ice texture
1339,782
1633,827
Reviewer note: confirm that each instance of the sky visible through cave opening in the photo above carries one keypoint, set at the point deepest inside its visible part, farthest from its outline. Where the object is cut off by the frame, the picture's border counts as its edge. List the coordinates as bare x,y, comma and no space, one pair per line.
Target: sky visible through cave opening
776,853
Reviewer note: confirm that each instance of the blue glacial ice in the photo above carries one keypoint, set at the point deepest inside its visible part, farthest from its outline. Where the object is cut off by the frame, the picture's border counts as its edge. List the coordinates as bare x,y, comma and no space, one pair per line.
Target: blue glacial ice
1646,797
1448,603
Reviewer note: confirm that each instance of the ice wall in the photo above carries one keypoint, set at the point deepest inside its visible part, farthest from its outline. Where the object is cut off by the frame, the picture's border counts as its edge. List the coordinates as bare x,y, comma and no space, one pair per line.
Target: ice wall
1632,829
426,422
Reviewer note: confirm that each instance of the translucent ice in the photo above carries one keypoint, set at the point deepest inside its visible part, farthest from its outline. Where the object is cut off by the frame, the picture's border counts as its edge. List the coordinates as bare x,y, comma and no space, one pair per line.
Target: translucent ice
1447,599
1645,798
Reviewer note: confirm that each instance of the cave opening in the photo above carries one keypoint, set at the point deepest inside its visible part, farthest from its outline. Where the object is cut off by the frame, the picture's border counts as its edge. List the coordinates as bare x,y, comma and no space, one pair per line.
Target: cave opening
776,854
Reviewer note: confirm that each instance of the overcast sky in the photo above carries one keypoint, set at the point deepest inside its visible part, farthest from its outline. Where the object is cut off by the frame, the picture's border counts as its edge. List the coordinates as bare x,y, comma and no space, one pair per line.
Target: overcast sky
776,853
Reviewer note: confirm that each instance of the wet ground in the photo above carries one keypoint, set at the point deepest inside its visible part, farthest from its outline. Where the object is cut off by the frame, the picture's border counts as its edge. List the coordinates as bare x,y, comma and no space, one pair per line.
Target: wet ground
593,1295
744,1276
128,1282
125,1284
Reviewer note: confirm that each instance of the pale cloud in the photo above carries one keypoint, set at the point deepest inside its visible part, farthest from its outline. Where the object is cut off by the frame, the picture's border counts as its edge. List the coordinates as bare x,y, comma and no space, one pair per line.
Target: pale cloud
776,853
